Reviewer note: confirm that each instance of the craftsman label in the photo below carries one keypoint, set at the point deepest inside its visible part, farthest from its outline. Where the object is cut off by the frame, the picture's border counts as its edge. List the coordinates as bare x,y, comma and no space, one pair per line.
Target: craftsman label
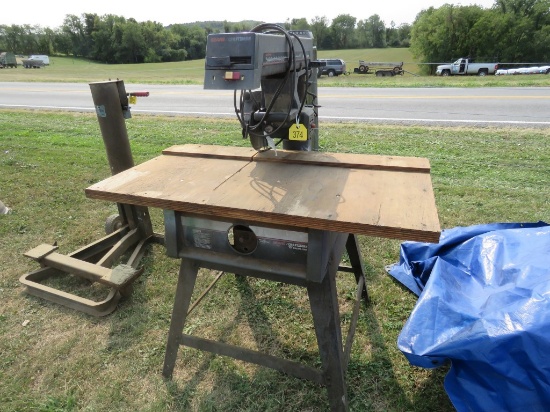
297,132
302,247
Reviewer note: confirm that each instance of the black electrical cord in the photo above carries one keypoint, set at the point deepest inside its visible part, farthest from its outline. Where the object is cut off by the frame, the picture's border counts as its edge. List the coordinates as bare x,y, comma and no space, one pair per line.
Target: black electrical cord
278,29
292,55
241,121
308,74
253,130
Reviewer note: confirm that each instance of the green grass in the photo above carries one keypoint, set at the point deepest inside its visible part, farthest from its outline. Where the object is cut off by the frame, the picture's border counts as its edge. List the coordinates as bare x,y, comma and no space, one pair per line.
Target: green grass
66,69
63,360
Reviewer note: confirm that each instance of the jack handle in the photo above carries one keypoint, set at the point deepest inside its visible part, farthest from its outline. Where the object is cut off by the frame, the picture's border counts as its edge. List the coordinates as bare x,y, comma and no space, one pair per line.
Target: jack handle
138,94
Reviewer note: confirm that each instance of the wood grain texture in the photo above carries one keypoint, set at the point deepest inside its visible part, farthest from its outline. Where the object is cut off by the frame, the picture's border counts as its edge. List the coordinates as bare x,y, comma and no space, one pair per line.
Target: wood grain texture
380,196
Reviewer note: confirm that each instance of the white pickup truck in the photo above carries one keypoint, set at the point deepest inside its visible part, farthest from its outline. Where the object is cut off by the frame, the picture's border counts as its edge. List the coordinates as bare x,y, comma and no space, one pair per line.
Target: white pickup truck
466,66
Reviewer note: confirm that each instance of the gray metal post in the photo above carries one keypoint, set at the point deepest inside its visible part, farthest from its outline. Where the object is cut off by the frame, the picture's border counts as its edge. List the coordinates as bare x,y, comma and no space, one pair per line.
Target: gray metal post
111,105
112,109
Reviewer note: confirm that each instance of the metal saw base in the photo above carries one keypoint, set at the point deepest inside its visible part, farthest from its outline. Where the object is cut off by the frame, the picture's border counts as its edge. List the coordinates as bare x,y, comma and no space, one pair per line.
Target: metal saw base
90,262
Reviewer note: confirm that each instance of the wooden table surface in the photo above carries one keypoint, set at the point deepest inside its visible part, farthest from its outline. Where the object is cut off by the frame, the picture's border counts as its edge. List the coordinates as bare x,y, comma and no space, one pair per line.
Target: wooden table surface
383,196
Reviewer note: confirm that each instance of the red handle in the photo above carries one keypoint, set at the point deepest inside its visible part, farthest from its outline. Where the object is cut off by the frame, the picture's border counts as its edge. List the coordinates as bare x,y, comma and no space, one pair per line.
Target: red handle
139,94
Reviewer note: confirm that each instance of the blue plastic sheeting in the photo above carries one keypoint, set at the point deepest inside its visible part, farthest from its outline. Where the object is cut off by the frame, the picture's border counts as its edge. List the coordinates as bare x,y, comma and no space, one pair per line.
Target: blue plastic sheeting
484,304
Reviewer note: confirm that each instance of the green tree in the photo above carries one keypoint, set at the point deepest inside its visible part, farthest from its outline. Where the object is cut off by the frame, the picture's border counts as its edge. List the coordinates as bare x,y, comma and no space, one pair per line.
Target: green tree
229,27
73,28
512,31
89,22
364,34
156,39
192,39
398,36
46,38
404,34
541,43
107,38
11,38
320,29
62,42
133,46
299,24
342,30
392,35
29,39
374,31
525,37
446,33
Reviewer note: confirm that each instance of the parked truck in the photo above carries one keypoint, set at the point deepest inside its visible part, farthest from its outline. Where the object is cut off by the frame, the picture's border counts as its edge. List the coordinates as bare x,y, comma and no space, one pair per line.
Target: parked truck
7,59
465,66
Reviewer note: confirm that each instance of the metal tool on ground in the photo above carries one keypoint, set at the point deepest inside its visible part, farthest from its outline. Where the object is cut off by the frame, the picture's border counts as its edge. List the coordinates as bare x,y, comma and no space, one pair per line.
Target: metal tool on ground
128,232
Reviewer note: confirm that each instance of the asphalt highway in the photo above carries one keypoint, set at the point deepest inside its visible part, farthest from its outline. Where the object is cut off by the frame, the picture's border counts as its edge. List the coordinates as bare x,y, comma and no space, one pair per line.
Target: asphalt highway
499,107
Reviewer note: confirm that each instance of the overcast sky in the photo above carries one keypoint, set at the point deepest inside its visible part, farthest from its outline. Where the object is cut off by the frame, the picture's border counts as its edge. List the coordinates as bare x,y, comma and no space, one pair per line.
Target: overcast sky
50,13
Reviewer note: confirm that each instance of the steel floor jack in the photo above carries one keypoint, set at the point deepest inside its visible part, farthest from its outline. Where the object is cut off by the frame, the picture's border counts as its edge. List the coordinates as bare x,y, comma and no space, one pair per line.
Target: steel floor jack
129,232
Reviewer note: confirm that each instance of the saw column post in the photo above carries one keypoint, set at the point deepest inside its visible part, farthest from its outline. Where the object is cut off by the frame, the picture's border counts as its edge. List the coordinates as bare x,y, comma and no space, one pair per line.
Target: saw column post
112,109
129,231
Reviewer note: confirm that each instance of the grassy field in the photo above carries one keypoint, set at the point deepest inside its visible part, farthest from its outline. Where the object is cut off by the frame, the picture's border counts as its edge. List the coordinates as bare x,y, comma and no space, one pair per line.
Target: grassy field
56,359
66,69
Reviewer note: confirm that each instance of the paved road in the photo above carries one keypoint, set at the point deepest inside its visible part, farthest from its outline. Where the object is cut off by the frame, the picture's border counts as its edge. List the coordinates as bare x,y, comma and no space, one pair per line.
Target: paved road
517,107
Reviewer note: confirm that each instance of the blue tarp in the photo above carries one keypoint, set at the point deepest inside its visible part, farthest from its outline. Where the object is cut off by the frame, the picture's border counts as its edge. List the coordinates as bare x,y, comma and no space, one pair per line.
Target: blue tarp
484,305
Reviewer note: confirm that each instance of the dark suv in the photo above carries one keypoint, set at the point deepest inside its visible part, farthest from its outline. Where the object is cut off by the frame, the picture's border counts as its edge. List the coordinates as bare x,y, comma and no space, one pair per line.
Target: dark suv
333,67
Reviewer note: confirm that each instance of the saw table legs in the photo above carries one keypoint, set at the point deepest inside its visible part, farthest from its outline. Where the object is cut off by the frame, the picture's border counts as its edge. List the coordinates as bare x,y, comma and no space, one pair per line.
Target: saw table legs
184,290
326,318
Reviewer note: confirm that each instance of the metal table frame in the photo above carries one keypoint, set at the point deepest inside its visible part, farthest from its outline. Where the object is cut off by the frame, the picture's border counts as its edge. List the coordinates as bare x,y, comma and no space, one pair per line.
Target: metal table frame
318,276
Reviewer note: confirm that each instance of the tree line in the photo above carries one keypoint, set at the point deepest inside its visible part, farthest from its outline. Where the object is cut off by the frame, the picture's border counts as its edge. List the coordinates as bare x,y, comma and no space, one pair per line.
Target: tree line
115,39
511,30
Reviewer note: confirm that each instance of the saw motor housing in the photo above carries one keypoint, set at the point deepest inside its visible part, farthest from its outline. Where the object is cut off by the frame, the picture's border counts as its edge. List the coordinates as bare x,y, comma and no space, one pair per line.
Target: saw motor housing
276,73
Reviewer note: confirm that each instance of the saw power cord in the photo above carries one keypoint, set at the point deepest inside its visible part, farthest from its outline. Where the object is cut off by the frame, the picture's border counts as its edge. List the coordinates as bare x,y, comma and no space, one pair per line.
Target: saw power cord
253,130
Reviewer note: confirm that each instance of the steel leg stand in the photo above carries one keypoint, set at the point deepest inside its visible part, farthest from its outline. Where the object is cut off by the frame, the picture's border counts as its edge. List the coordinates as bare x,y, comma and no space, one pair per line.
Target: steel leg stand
184,290
326,318
356,261
324,254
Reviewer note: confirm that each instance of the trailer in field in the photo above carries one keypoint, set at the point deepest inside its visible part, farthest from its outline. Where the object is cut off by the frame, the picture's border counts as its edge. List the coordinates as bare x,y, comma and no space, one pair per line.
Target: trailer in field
379,68
32,64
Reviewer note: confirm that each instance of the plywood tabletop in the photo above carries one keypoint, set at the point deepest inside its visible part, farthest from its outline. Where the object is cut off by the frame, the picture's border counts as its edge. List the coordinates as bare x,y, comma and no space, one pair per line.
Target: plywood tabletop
381,196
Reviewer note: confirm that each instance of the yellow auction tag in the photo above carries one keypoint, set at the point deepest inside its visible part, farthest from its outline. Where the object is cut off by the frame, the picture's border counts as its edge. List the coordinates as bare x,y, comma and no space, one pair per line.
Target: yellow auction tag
132,99
297,132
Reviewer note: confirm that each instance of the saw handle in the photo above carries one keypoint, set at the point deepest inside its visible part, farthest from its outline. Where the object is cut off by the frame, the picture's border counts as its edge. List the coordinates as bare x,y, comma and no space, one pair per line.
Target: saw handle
138,94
